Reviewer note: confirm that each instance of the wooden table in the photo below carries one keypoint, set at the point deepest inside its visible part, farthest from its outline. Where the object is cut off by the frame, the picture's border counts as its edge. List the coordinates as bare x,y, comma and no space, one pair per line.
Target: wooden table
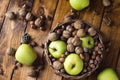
11,32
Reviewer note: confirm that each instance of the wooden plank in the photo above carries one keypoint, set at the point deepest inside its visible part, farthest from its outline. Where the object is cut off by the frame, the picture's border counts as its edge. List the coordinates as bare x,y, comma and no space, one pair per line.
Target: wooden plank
3,7
112,34
21,73
62,10
40,37
94,15
10,37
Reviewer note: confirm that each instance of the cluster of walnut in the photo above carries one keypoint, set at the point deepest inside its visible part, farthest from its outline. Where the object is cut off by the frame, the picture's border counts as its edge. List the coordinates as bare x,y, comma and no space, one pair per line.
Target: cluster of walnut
25,14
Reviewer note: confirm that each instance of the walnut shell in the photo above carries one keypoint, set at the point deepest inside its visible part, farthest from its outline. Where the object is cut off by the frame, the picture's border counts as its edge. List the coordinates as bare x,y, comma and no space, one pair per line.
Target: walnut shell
66,34
92,31
69,40
29,16
22,12
10,15
81,33
70,48
78,50
38,22
57,65
78,24
53,36
76,41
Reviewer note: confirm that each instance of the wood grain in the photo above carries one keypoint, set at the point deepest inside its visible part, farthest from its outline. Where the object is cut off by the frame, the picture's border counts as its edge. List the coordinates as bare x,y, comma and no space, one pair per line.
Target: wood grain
41,36
11,32
62,10
112,34
10,37
3,8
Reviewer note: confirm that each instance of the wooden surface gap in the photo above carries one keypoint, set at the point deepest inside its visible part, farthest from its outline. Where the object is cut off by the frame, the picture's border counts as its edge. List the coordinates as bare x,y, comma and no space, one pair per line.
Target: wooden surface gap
117,62
54,15
102,18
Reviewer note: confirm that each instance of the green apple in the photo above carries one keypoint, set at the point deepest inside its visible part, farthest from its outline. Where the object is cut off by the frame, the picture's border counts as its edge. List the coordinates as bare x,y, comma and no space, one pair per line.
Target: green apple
73,64
87,42
108,74
79,4
25,54
57,48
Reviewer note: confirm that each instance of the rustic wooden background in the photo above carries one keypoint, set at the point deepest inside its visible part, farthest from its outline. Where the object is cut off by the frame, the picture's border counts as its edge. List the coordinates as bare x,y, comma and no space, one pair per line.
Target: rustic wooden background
11,32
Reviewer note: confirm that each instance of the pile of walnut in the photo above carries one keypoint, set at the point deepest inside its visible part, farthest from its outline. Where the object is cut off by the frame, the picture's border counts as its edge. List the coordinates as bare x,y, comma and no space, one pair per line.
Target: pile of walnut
71,33
24,14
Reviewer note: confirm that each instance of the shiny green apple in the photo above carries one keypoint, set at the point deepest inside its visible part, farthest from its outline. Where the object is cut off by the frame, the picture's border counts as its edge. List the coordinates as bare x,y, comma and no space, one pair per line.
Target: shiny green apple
87,42
73,64
57,48
79,4
108,74
25,54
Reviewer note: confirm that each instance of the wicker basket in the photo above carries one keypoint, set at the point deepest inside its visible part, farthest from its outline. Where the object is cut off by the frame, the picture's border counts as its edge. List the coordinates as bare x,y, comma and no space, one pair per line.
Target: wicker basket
80,76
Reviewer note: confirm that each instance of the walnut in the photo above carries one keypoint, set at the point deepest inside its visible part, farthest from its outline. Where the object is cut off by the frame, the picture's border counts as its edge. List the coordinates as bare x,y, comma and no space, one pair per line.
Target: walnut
57,65
70,28
78,50
22,13
38,22
81,33
53,36
69,40
66,34
76,41
106,3
10,15
70,48
78,24
29,16
74,33
92,31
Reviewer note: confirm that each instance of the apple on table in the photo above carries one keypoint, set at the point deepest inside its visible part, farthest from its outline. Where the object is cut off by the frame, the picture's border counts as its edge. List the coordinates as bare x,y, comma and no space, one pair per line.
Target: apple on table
79,4
25,54
107,74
